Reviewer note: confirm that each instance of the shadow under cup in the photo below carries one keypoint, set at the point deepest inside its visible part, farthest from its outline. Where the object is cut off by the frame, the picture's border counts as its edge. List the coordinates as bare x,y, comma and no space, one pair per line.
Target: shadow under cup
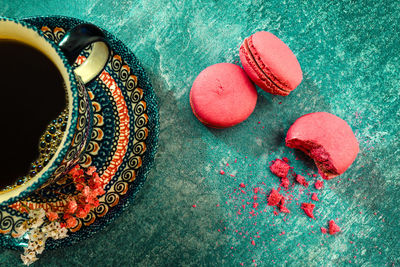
47,114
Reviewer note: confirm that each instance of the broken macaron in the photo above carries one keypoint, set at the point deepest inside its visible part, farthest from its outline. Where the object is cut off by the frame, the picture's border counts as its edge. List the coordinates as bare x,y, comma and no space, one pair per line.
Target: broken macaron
327,139
270,63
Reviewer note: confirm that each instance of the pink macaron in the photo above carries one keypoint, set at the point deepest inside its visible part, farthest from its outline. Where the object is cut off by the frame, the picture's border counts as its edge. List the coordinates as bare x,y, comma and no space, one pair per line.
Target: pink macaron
327,139
270,63
222,96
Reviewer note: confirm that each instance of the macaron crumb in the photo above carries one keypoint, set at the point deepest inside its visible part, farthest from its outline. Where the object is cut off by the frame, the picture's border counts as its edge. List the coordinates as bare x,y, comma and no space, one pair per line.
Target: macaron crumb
280,168
318,184
308,209
333,227
274,198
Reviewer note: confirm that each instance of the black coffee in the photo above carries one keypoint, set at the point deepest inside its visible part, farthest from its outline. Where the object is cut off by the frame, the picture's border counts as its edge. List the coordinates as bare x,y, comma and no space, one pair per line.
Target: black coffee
32,95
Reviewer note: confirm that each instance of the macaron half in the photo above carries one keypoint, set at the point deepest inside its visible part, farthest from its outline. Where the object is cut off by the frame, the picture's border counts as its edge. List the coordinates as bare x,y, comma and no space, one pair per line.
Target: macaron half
222,96
270,63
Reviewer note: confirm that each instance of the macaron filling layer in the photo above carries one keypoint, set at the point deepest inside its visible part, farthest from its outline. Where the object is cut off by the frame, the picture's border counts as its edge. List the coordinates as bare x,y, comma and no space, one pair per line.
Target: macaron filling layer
264,67
321,158
259,67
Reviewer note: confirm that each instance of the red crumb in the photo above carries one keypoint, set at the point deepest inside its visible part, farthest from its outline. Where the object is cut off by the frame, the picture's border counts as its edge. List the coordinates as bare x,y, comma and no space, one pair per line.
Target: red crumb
319,184
279,168
315,197
222,172
255,190
282,207
194,206
274,198
285,159
253,242
333,228
255,205
285,183
242,185
301,180
308,209
323,230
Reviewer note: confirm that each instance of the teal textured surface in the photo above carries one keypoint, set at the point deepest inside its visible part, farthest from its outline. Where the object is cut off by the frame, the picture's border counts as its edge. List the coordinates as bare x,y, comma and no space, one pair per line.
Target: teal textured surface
349,55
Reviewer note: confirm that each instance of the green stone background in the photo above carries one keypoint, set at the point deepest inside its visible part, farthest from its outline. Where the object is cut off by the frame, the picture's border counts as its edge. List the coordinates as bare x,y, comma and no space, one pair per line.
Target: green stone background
349,52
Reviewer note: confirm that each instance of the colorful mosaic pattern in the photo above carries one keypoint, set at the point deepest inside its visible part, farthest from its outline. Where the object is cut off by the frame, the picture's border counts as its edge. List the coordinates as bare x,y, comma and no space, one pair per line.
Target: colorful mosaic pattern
123,141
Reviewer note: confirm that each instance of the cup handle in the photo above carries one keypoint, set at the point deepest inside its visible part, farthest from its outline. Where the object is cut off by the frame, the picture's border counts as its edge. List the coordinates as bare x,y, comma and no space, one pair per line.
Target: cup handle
76,39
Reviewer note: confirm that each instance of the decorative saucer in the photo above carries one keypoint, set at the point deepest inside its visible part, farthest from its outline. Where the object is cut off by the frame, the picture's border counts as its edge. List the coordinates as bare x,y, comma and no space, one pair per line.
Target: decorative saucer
123,143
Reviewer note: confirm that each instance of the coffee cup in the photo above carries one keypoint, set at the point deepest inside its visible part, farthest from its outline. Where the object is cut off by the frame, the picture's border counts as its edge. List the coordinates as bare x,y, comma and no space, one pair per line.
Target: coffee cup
40,83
